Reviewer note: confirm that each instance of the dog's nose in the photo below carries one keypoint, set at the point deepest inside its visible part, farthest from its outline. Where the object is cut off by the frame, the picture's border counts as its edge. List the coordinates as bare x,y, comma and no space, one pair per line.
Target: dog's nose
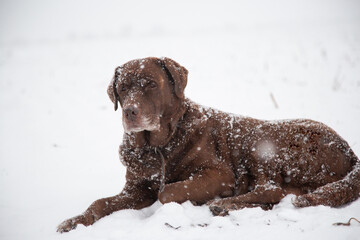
131,112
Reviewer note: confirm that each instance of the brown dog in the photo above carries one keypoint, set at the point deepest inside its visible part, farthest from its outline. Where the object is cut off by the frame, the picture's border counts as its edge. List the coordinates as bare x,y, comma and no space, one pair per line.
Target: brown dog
176,150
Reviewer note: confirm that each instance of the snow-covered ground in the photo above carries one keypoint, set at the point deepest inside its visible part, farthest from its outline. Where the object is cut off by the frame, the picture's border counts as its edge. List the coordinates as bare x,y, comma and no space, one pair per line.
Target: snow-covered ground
59,134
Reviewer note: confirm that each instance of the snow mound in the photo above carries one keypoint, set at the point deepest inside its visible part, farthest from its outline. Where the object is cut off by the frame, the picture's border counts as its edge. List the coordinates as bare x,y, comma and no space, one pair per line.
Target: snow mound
185,221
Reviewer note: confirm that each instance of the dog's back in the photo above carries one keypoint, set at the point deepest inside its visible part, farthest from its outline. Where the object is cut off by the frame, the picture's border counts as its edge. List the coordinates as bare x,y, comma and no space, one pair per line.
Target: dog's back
300,156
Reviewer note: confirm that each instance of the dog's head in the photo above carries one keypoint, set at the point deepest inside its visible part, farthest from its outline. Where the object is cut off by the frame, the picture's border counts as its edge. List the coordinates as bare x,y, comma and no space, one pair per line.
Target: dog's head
147,89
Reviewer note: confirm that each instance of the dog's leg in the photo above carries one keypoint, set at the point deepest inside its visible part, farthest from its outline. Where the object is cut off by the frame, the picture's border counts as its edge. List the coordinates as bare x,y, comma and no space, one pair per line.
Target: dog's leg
223,209
200,188
262,196
134,196
265,194
332,194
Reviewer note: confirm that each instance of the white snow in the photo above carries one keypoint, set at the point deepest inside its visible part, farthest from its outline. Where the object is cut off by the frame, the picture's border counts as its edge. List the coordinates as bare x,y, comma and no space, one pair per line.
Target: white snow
59,134
266,150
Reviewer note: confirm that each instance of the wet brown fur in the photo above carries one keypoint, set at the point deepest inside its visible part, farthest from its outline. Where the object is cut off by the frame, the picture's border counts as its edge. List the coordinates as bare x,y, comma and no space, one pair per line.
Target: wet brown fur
210,154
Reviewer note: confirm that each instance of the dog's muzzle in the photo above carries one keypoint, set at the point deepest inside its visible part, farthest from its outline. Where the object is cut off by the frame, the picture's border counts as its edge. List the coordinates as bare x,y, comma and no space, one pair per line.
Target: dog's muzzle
131,112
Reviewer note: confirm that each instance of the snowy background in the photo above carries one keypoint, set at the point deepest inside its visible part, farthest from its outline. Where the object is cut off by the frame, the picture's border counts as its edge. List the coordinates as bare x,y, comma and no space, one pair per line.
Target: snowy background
59,134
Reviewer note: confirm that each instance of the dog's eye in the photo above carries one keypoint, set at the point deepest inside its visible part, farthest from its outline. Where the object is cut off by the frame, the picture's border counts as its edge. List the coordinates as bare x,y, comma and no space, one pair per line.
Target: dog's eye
123,88
152,85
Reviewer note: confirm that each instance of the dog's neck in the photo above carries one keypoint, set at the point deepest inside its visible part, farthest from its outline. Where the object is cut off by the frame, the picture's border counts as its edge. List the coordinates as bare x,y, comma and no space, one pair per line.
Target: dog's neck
161,137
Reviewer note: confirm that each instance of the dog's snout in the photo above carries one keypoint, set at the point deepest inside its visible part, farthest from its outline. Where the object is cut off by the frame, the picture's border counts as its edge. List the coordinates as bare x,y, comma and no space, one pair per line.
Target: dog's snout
131,112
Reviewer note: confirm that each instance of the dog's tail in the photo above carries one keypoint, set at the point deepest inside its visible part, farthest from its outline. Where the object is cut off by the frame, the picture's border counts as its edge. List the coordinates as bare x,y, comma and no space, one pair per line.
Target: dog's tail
336,193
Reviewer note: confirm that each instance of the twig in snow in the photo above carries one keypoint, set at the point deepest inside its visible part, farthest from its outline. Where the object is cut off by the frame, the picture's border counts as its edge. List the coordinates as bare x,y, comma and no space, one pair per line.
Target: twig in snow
170,226
274,101
345,224
203,225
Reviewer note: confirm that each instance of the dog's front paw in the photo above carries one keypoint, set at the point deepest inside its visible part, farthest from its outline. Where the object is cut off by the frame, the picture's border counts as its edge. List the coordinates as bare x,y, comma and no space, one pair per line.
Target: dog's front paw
67,225
306,200
221,207
224,206
87,218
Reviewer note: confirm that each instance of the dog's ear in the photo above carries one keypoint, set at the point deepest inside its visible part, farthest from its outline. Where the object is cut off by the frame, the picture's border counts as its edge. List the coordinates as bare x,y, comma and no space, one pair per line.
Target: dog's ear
178,74
111,90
